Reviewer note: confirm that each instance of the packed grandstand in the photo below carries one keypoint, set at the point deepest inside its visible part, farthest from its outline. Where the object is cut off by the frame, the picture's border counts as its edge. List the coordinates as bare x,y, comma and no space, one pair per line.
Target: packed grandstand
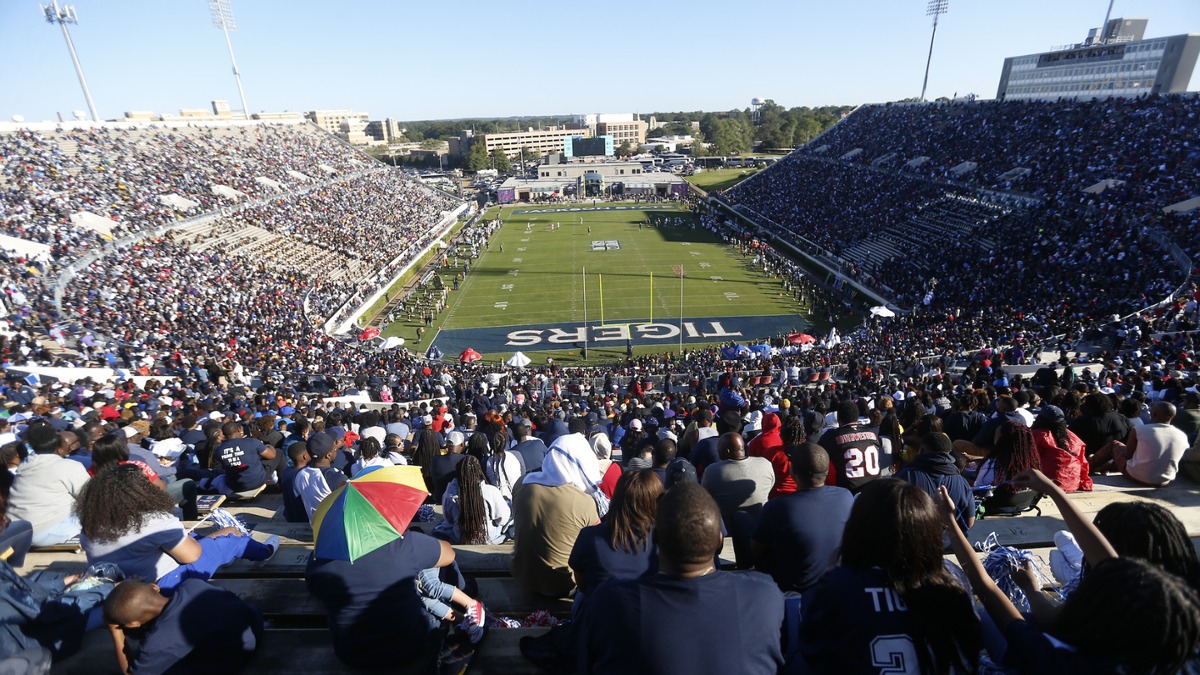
1009,237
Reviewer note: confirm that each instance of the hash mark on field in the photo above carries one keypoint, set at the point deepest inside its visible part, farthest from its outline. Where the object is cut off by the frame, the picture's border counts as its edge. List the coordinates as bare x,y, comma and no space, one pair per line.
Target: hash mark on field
501,305
526,239
731,296
513,273
694,252
506,287
705,265
717,278
518,260
520,249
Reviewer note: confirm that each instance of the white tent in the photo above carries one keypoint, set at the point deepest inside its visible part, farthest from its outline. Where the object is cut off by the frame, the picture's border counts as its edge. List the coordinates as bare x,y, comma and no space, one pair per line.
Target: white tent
518,360
882,311
392,342
91,221
176,202
29,249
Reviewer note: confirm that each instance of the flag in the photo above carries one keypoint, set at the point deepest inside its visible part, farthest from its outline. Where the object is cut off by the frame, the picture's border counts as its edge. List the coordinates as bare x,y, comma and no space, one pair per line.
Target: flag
678,270
33,380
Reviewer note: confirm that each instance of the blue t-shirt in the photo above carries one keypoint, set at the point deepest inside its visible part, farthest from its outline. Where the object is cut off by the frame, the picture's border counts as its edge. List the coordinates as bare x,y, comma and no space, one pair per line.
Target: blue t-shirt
854,622
203,629
376,617
242,461
1033,651
723,622
704,454
293,506
532,452
594,560
802,532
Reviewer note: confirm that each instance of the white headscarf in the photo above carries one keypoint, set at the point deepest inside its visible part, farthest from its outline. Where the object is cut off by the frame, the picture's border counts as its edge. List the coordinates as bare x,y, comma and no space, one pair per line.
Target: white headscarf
570,460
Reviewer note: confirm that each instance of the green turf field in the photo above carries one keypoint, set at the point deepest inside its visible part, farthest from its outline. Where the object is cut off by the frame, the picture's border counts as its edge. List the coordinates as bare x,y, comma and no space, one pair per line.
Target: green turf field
538,278
720,179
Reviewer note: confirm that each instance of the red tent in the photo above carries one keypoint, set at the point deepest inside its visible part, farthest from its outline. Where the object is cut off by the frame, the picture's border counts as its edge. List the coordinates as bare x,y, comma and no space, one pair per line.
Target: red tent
469,355
801,339
368,334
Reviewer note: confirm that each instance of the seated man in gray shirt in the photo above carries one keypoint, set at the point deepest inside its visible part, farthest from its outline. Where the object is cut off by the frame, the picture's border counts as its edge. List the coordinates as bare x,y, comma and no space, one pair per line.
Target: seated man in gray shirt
738,482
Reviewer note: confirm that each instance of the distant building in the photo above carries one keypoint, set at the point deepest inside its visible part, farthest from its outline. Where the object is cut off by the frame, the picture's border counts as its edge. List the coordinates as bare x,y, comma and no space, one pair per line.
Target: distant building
623,127
541,141
1115,61
594,179
331,120
386,130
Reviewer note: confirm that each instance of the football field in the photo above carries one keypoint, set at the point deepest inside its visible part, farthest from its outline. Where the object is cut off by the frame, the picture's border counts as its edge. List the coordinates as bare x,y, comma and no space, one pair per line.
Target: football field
553,277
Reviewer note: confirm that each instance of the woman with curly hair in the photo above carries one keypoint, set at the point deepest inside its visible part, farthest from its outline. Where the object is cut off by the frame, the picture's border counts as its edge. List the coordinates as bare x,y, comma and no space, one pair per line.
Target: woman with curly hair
129,522
475,512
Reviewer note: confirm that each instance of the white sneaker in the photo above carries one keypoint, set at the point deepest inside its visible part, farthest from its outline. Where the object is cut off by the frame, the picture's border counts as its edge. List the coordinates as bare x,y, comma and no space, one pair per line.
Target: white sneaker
272,542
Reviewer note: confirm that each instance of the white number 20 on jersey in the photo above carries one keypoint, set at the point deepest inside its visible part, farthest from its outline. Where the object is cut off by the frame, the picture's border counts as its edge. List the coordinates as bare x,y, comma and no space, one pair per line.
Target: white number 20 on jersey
860,463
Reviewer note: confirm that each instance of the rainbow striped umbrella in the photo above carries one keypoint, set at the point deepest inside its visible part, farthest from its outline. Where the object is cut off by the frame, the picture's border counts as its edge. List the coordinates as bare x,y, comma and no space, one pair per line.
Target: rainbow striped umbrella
370,511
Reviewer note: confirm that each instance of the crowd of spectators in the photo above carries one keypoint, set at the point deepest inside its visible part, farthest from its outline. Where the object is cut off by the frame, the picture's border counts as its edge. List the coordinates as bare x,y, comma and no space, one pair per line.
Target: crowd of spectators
1066,260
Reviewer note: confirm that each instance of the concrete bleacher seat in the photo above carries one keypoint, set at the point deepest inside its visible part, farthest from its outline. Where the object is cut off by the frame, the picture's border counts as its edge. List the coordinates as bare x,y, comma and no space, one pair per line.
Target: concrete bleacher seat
299,642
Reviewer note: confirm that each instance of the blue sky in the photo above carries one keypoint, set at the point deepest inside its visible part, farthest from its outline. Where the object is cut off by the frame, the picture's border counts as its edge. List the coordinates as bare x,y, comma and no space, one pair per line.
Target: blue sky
430,60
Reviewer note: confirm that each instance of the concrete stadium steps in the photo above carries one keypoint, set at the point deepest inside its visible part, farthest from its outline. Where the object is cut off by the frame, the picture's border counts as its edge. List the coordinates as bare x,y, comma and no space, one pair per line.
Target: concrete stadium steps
256,243
951,219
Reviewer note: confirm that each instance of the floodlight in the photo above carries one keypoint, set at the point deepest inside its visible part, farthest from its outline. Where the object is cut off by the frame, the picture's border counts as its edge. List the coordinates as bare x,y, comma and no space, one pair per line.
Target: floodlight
222,15
935,9
63,16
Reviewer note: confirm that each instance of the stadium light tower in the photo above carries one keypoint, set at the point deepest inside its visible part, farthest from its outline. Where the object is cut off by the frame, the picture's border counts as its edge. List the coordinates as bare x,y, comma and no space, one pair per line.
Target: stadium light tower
63,16
935,9
222,15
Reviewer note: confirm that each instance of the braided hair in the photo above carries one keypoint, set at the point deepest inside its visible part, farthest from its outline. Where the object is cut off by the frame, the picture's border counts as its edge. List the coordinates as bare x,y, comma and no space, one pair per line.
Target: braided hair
1134,612
1014,451
368,449
1149,531
472,511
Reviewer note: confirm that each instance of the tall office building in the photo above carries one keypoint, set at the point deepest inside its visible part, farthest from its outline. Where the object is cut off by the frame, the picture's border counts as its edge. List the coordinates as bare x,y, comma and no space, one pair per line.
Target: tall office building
1116,61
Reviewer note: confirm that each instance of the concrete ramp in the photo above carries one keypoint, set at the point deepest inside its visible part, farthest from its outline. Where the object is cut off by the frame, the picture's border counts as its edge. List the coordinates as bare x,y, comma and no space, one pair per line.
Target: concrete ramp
299,176
883,160
1104,185
1184,206
228,192
852,154
327,169
1012,174
88,220
176,202
964,168
916,161
267,182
